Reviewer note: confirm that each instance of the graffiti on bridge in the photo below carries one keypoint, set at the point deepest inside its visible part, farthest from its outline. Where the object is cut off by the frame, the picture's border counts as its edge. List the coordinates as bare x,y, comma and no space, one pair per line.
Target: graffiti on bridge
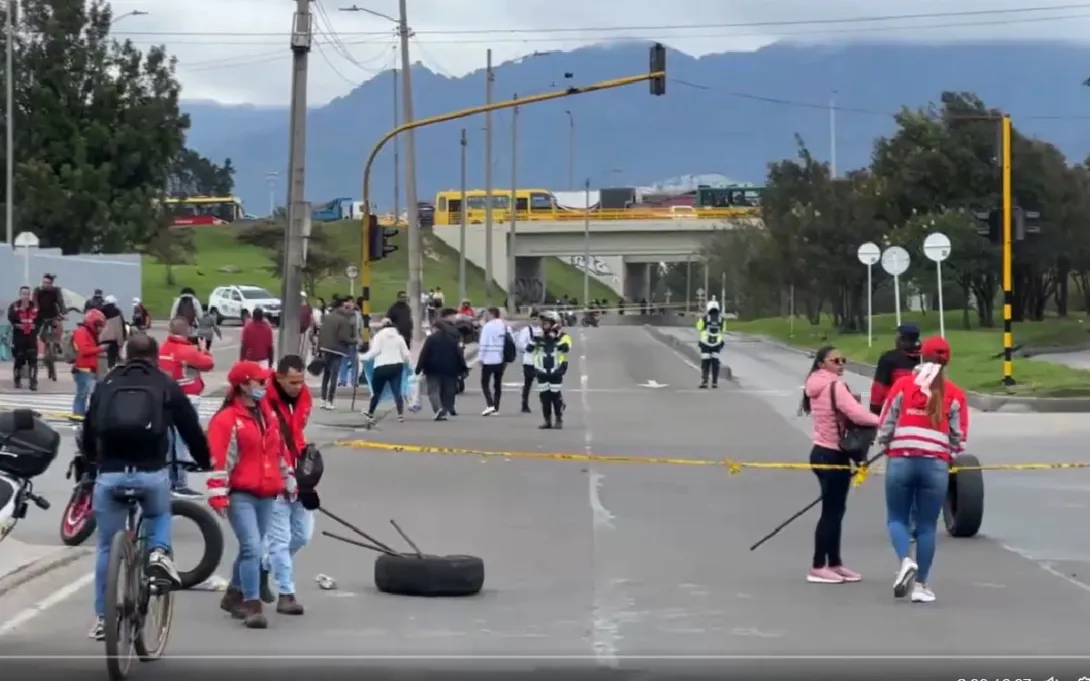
529,290
598,266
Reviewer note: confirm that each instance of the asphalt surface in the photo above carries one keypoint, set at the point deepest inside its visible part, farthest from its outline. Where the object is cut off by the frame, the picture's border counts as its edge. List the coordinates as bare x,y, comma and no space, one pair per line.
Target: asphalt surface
605,561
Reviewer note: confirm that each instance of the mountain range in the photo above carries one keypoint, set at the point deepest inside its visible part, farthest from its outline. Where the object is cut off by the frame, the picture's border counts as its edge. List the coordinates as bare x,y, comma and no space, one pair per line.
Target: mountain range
729,114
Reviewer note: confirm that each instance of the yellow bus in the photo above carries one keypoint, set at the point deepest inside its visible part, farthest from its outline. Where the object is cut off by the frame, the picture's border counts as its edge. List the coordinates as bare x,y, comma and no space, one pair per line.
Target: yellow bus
448,204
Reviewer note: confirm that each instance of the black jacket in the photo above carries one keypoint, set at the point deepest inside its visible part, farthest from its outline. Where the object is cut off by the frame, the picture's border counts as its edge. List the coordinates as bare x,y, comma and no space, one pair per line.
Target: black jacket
111,454
892,366
441,354
402,316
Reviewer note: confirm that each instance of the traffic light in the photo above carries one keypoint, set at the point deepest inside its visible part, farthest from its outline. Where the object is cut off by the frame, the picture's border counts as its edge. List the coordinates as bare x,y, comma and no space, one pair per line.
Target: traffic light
377,237
658,65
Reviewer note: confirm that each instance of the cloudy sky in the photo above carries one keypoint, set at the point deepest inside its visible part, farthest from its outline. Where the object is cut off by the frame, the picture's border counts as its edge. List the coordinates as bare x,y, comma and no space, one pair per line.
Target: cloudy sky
236,51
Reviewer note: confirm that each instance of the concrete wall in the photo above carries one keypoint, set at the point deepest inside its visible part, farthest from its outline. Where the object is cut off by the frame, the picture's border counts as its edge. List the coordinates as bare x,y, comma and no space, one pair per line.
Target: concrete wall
117,274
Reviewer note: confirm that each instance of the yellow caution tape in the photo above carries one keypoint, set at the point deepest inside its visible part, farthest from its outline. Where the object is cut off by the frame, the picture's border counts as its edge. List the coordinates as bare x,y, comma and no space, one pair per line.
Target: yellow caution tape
860,473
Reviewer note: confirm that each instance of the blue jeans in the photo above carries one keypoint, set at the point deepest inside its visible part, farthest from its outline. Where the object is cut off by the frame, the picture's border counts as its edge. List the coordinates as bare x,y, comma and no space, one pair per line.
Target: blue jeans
918,482
179,477
291,529
350,368
110,514
250,518
85,385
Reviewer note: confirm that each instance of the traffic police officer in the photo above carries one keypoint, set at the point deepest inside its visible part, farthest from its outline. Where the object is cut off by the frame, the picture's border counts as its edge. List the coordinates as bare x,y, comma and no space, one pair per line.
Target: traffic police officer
710,327
550,347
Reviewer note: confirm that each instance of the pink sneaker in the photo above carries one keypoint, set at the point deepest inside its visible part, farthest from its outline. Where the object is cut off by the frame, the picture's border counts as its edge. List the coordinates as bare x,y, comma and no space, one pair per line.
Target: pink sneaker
824,576
847,574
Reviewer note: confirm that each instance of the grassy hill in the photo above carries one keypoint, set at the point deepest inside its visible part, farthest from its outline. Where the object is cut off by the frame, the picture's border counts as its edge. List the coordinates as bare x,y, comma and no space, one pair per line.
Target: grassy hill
220,258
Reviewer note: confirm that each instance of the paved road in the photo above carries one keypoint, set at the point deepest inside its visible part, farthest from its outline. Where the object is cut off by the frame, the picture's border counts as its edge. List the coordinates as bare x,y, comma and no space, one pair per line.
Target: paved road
607,561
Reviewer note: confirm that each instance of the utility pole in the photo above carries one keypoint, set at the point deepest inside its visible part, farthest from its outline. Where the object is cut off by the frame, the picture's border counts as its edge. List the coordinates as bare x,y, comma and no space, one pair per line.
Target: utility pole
416,263
489,76
397,156
270,181
511,259
462,226
832,134
9,119
301,38
586,242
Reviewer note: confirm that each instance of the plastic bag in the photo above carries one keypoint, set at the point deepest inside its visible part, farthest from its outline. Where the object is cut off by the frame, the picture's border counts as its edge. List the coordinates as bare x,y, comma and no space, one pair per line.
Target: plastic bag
407,381
417,387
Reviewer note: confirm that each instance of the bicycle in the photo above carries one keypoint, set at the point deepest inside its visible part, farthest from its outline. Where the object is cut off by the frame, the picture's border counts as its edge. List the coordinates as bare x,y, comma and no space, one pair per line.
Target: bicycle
51,347
130,593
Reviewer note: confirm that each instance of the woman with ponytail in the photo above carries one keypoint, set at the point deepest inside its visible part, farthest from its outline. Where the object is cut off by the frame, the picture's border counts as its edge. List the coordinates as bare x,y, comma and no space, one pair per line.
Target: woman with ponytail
925,422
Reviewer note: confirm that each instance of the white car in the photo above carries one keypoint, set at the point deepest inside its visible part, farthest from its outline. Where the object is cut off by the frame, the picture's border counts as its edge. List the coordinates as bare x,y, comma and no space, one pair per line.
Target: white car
239,302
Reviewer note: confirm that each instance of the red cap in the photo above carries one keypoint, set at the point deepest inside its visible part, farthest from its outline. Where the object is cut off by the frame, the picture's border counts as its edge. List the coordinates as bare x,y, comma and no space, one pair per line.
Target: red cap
246,371
936,346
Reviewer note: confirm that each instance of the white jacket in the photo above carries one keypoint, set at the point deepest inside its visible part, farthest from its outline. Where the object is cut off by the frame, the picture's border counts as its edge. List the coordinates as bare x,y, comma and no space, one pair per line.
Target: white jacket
490,346
526,335
388,347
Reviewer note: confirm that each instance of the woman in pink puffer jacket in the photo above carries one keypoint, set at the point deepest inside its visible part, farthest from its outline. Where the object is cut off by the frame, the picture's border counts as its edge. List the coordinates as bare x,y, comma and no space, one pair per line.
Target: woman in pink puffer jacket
817,401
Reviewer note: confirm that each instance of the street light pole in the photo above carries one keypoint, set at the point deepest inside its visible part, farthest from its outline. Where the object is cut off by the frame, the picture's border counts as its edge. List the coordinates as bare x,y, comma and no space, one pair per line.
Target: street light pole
586,242
9,119
488,75
462,226
571,150
511,258
397,155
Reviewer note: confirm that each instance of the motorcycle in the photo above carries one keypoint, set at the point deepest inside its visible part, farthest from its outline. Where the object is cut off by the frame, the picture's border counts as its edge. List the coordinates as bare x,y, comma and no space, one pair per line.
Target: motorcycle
28,448
78,520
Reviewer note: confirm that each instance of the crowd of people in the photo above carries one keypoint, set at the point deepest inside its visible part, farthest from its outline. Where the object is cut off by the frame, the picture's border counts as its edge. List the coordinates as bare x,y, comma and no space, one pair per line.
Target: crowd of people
919,419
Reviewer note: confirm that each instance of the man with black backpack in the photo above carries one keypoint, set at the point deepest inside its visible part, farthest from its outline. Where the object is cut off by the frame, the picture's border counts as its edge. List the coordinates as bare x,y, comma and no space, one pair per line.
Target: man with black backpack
126,433
495,350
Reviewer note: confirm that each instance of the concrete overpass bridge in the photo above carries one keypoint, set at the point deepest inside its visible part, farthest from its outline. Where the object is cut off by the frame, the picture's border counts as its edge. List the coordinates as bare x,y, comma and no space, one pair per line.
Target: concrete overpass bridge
630,248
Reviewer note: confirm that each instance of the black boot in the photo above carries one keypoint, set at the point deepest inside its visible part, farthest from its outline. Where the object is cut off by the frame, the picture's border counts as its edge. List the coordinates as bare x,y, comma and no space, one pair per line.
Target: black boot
705,367
547,410
558,407
715,372
18,377
32,369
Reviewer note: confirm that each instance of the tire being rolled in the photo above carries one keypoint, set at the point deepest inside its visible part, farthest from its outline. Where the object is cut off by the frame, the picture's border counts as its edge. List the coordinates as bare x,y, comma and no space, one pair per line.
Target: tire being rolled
211,533
429,576
963,510
77,520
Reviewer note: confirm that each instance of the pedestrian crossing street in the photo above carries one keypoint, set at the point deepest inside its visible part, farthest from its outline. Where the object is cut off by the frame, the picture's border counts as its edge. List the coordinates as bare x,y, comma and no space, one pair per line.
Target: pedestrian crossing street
57,407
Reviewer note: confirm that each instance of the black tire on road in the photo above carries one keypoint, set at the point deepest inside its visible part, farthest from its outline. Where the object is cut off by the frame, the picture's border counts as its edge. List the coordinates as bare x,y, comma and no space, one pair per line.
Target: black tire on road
211,533
429,576
963,511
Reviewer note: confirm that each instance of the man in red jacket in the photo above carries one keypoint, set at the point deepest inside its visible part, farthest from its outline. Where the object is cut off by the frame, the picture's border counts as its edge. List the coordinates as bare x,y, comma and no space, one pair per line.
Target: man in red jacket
183,362
291,526
85,367
256,344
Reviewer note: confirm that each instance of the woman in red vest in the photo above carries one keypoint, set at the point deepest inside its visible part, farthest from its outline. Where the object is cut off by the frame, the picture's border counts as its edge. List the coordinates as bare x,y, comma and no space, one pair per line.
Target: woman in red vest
925,422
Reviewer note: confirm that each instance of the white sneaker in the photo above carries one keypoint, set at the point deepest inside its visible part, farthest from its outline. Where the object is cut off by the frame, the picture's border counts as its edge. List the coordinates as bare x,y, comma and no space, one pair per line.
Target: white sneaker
922,594
160,565
488,411
906,577
331,406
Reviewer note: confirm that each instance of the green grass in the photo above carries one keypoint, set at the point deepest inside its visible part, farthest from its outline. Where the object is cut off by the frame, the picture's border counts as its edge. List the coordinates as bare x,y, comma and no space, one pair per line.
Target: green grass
974,364
217,248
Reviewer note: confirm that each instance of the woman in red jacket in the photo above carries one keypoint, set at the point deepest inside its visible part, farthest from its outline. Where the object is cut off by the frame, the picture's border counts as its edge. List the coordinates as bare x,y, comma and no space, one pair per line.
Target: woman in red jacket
256,344
251,471
925,422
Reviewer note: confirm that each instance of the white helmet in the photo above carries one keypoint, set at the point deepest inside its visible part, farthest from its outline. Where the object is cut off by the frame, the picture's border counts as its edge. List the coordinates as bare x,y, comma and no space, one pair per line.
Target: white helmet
550,316
713,305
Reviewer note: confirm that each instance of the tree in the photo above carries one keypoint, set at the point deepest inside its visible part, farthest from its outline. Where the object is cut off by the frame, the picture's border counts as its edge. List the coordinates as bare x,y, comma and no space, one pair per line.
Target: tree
97,129
194,175
938,172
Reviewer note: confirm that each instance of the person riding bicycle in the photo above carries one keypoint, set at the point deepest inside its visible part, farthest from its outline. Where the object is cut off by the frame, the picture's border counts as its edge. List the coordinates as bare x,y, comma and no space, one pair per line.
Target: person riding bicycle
126,435
49,299
22,314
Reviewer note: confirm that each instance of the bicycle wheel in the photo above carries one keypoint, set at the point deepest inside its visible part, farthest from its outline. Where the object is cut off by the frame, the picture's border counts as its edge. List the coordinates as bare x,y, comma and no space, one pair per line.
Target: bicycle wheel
122,584
156,608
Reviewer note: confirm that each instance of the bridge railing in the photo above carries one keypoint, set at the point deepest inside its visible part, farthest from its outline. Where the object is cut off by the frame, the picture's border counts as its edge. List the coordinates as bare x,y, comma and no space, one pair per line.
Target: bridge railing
476,217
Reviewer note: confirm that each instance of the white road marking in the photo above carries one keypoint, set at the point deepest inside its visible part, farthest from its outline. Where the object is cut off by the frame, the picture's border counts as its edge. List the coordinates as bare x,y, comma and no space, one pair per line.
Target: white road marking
55,598
604,624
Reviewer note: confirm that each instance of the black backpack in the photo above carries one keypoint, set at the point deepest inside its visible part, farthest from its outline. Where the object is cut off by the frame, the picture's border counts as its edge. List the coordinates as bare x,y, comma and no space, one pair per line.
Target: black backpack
130,408
510,351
